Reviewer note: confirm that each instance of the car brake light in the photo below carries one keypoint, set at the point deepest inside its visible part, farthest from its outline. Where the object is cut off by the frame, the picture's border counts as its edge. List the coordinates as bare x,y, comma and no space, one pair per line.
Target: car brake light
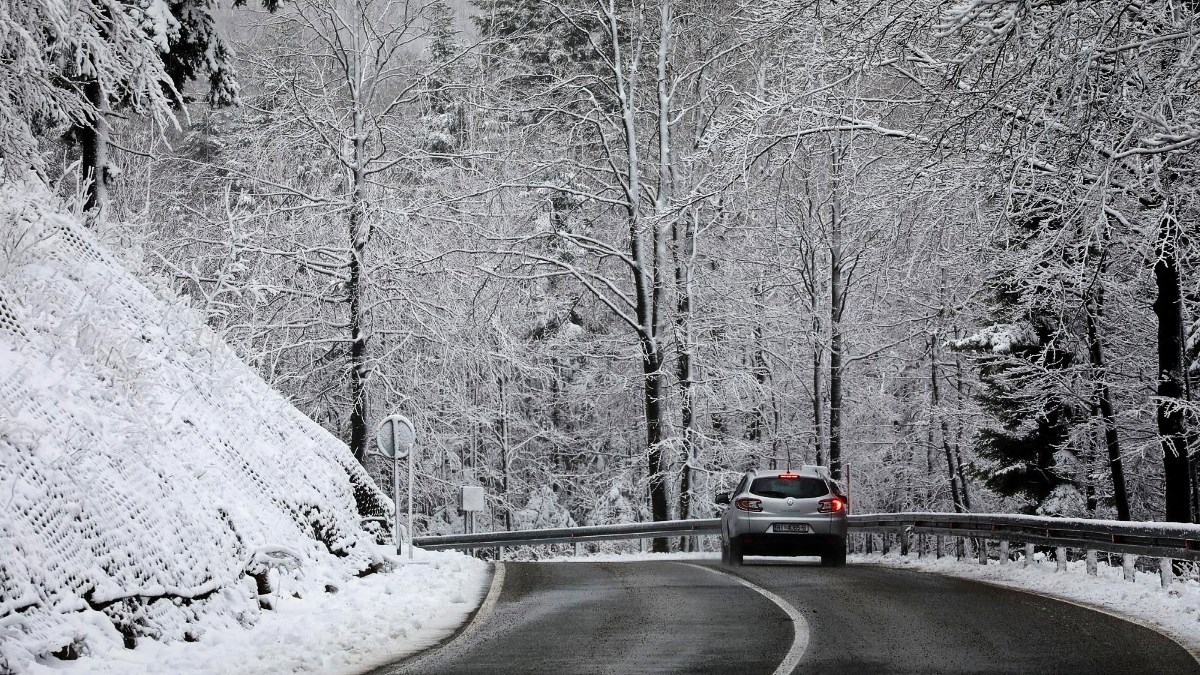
748,504
835,505
789,475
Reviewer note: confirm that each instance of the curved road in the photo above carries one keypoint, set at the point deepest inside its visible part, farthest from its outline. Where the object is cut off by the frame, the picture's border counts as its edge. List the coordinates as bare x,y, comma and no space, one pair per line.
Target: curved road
675,617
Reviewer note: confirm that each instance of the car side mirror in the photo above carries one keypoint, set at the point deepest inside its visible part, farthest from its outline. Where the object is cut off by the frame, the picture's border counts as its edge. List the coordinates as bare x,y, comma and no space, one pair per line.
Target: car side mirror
723,498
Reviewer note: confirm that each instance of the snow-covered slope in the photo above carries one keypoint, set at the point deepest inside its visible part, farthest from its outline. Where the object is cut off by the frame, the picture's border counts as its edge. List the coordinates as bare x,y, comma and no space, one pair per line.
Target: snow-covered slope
143,466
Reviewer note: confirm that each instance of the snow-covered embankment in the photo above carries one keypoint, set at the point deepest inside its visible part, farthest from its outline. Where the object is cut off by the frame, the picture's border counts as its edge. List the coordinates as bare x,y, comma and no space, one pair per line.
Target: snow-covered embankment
154,490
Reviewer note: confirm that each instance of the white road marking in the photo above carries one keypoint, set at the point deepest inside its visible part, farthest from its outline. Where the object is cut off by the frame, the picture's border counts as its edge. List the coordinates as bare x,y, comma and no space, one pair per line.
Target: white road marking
800,632
492,598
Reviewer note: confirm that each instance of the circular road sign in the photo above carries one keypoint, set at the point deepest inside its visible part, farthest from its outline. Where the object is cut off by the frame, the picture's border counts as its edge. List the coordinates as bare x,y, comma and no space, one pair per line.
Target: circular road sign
395,437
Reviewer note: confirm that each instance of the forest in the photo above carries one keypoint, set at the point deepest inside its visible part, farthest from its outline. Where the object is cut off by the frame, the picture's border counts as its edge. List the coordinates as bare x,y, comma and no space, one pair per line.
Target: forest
609,254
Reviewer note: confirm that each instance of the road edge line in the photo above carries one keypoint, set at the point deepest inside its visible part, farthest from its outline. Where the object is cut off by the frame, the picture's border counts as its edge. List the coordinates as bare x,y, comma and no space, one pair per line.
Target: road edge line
800,627
481,612
1194,652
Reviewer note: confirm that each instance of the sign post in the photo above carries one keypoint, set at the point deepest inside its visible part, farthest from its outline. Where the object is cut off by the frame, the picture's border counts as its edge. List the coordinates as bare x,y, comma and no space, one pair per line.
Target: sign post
396,438
471,500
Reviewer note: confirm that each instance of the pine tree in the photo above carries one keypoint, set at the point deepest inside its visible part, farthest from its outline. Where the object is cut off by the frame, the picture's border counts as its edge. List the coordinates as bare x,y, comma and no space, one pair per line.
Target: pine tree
537,34
1024,359
447,119
69,68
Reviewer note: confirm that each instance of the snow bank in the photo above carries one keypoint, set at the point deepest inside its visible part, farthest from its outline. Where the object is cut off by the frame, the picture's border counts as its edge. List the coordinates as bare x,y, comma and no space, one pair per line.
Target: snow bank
368,622
143,466
634,557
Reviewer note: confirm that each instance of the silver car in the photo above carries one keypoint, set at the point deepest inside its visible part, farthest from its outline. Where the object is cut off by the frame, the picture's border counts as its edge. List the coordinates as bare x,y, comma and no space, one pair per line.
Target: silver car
785,514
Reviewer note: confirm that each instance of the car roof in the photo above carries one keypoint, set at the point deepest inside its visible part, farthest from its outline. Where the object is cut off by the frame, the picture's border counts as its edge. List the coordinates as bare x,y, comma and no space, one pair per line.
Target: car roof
812,470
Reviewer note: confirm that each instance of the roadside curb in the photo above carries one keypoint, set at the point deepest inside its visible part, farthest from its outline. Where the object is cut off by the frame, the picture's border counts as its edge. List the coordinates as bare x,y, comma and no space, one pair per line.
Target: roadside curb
409,663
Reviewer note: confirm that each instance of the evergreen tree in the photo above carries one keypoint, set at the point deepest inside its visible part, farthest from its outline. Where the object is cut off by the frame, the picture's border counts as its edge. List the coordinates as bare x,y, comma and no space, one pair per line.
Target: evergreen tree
1026,362
446,120
538,34
65,67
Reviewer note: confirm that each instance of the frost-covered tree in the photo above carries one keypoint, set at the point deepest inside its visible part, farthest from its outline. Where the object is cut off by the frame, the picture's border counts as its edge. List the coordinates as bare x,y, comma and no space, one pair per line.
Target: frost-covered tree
67,67
1097,124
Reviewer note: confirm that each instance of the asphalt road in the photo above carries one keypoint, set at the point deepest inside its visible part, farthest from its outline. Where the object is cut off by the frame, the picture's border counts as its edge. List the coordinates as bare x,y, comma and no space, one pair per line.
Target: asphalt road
672,617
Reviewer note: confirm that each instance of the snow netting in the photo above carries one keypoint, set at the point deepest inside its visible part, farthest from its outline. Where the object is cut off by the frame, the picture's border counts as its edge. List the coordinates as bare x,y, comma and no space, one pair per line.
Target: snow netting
143,466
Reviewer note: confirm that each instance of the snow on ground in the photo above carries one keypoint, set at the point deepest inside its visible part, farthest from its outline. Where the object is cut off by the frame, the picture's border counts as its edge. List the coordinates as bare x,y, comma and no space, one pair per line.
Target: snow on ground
368,622
633,557
157,494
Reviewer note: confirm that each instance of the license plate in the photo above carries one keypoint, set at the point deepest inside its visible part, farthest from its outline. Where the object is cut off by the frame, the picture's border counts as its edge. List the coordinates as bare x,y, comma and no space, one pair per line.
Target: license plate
791,527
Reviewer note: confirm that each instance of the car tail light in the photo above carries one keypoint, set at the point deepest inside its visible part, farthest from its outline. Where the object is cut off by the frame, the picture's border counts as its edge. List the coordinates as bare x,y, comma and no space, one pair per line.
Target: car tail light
748,504
835,505
789,475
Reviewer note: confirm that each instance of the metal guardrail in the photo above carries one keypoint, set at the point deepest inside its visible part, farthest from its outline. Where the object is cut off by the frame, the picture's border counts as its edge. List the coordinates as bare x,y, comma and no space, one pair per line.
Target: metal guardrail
1178,541
566,535
1166,541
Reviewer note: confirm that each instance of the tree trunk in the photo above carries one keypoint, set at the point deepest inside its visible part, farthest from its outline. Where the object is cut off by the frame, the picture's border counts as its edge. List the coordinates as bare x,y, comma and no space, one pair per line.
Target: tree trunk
1103,401
650,300
684,242
1168,306
646,267
762,375
505,457
836,306
652,368
93,140
818,396
951,469
930,444
962,474
355,289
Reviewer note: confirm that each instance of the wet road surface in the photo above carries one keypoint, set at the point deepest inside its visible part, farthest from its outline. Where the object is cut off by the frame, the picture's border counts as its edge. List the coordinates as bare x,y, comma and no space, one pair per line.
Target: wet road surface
676,617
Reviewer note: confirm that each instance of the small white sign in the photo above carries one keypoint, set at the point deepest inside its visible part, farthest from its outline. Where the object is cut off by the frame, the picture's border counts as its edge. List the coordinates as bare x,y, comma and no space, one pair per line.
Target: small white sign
395,437
472,498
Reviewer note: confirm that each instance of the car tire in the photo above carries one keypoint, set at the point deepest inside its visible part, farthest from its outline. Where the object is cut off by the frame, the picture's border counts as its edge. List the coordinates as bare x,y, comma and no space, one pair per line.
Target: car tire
834,557
735,552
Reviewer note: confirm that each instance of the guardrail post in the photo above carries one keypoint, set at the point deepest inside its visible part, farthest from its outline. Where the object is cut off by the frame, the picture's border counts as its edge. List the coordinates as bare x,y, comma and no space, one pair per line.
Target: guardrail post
1165,574
1028,555
887,542
920,545
1127,561
958,548
1003,552
576,549
499,553
1091,563
1060,555
905,535
642,545
982,551
939,546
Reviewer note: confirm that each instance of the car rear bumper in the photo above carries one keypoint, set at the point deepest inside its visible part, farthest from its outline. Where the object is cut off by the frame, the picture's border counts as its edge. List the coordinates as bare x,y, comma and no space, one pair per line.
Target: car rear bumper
790,544
761,523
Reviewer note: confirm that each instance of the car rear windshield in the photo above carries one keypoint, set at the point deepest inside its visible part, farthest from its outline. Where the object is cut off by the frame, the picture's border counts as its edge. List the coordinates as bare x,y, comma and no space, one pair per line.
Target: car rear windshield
800,487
